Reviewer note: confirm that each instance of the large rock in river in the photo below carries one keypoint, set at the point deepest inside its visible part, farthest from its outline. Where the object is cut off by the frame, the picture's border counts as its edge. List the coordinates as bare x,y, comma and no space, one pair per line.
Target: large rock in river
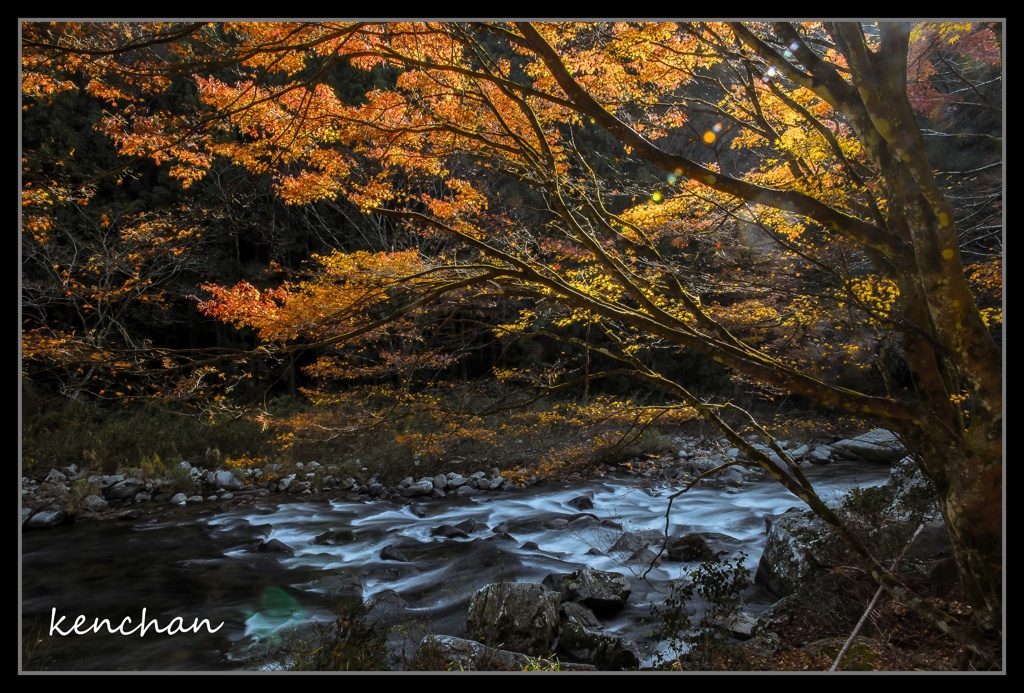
605,651
789,559
601,590
518,616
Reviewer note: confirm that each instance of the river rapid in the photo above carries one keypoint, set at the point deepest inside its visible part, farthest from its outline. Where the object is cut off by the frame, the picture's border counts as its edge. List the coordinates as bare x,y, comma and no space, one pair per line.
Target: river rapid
200,562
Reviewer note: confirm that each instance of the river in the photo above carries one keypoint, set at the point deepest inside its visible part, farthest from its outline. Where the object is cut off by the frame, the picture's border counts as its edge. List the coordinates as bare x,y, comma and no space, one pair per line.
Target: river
198,562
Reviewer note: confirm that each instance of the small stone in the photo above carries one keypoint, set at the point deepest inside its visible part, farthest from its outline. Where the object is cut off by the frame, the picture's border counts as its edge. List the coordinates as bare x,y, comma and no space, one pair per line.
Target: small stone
56,477
94,503
275,546
390,553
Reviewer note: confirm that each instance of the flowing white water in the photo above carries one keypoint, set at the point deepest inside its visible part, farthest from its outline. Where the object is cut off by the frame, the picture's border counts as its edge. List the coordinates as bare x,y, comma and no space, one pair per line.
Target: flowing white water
204,565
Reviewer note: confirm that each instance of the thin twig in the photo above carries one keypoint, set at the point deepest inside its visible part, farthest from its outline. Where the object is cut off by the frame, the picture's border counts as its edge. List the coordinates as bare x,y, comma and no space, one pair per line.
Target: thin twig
871,605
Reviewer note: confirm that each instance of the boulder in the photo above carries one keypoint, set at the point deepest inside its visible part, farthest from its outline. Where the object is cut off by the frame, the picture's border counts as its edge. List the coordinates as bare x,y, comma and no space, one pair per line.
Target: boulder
94,503
227,481
417,488
123,490
518,616
631,541
789,558
573,612
46,518
467,525
878,445
820,455
582,503
105,481
605,651
448,531
448,653
690,547
601,590
297,487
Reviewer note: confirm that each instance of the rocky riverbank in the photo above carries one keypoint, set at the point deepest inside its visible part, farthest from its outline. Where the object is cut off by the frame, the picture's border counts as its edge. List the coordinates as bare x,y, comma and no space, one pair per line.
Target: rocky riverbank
573,623
74,493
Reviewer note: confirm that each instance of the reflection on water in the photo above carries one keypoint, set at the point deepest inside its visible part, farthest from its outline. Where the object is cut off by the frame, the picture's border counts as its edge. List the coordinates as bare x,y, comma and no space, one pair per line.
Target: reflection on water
197,562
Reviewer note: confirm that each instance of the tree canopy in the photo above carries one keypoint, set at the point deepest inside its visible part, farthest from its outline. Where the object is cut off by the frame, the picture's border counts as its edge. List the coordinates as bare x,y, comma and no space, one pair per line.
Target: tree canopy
815,207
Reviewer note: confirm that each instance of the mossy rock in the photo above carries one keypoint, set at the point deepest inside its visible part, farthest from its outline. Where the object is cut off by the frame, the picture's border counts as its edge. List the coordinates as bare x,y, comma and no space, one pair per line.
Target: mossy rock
517,616
864,654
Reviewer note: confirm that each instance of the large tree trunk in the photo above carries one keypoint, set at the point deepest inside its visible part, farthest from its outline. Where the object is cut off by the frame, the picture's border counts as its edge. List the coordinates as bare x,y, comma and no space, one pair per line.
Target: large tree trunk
970,493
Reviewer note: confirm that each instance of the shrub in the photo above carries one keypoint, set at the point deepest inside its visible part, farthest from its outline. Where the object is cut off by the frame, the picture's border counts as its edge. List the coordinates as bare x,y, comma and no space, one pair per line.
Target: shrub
348,643
719,587
108,438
